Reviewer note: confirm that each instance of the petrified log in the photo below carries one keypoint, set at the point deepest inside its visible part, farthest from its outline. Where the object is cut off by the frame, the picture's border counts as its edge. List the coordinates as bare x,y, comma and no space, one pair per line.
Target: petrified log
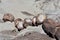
57,33
51,28
19,24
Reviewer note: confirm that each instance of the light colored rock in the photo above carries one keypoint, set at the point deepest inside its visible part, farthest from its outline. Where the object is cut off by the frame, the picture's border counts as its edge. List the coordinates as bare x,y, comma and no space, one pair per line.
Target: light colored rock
16,6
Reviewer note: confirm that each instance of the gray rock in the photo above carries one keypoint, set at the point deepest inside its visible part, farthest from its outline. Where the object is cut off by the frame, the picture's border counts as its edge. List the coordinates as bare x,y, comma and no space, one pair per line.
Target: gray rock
34,36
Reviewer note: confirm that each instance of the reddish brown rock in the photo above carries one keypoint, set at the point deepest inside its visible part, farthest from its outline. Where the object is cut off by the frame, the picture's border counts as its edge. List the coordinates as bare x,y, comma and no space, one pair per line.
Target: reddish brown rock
37,20
8,17
51,28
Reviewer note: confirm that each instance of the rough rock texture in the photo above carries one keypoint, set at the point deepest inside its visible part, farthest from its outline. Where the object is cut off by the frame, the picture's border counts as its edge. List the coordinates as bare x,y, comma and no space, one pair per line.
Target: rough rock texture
49,7
9,35
34,36
9,32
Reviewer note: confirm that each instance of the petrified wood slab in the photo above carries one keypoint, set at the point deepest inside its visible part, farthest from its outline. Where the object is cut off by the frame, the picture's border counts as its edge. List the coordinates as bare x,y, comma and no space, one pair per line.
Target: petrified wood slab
33,36
52,28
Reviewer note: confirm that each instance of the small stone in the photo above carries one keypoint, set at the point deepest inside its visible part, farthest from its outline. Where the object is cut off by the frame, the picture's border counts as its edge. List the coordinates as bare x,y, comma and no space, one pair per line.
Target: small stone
8,17
19,24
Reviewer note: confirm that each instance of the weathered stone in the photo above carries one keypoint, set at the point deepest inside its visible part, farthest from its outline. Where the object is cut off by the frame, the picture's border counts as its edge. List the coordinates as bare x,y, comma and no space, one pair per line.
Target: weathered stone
8,17
34,36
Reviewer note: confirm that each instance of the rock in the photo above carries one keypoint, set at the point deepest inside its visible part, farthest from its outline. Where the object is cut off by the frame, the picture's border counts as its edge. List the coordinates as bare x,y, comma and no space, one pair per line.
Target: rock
8,17
33,36
27,22
57,33
19,24
51,28
34,21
